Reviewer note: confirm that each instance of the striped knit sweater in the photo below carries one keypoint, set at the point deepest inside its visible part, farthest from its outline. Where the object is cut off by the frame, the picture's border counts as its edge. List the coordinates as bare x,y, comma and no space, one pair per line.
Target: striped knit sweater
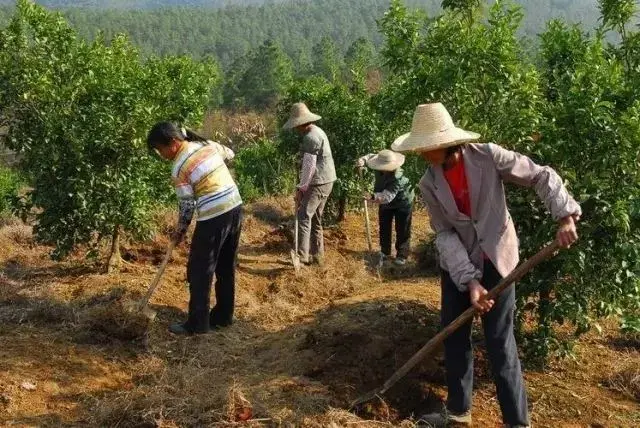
200,174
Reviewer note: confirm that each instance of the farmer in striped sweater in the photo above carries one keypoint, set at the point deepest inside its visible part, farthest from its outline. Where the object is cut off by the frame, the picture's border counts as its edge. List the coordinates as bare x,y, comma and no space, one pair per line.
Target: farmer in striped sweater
204,186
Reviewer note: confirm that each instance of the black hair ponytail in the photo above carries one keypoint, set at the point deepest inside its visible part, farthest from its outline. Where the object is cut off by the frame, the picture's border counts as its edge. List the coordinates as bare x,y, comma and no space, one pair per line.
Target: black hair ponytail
163,133
189,135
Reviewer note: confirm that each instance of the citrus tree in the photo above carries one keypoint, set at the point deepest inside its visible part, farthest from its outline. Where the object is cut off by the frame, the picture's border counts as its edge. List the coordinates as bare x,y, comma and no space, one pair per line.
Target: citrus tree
78,113
590,133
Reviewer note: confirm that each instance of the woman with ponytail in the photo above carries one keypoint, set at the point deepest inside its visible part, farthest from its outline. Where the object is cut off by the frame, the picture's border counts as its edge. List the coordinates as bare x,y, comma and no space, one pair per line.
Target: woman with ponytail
204,186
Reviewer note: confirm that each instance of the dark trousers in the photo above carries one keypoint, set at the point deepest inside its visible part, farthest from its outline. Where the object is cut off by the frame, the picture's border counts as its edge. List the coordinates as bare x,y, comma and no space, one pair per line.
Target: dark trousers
214,250
501,348
403,230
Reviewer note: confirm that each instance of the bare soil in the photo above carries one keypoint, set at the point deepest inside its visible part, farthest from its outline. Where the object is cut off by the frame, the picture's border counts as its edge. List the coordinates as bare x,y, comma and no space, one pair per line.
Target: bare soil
301,349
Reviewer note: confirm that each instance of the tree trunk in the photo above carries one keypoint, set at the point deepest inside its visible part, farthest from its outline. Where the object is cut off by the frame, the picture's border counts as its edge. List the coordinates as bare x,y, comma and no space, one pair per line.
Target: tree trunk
114,260
342,208
544,306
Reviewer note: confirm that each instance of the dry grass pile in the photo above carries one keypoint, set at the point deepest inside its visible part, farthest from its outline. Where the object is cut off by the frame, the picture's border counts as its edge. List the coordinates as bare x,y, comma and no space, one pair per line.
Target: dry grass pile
359,346
37,311
238,129
105,316
238,408
191,386
115,315
19,233
626,381
14,233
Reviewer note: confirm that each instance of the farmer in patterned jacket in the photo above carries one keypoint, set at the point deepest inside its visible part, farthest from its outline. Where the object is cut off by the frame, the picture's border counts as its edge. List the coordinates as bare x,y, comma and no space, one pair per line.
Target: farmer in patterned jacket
476,238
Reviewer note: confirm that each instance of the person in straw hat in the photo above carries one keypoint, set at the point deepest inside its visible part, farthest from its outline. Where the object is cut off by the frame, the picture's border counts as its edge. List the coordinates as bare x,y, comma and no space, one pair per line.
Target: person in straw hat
317,176
394,194
476,239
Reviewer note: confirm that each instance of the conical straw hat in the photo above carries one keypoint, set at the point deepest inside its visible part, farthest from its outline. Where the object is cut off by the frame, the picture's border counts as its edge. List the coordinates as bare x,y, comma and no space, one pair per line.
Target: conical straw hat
432,129
386,160
300,115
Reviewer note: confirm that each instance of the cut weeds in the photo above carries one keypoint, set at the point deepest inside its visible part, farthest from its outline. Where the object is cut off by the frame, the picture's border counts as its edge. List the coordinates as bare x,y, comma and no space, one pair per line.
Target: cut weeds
301,349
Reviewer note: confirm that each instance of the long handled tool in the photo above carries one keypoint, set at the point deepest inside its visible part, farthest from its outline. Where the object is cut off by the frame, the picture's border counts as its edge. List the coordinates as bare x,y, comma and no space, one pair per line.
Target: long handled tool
143,305
467,315
367,223
295,257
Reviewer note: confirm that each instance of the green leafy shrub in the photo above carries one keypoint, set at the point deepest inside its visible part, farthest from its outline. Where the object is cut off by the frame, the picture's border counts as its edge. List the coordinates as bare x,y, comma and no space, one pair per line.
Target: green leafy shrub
10,183
262,169
78,115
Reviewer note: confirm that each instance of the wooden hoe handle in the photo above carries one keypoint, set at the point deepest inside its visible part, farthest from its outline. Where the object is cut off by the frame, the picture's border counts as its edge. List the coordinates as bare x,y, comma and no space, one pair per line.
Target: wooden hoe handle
156,279
466,316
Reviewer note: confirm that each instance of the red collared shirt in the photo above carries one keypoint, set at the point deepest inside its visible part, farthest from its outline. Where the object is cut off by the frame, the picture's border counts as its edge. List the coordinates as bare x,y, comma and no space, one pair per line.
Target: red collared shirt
456,176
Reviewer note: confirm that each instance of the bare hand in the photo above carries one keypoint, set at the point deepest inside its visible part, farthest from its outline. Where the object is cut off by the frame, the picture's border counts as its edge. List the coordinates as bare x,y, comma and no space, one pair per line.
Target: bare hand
477,295
567,234
366,196
298,196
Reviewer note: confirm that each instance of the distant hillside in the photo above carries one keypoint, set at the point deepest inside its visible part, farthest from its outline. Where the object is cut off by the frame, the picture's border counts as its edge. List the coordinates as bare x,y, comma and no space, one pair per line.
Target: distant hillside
230,31
140,4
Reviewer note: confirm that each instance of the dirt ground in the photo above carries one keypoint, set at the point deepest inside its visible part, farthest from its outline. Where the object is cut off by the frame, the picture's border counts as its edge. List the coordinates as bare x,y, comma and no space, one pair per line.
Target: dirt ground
301,349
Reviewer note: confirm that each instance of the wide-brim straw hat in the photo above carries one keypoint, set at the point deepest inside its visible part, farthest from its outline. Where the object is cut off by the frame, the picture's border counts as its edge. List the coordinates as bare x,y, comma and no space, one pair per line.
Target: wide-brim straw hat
300,115
386,160
432,129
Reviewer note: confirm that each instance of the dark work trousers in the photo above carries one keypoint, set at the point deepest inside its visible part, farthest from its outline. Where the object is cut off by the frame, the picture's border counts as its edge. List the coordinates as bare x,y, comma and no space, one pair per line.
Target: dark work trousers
403,230
214,249
501,348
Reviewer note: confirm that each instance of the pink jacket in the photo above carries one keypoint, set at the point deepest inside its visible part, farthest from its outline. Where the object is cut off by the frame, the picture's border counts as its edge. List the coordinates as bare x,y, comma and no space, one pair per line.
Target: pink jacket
462,240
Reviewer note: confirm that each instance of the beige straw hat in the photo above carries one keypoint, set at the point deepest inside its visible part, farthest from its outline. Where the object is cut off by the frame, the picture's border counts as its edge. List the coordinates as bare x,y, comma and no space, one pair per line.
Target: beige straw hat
386,160
300,115
432,129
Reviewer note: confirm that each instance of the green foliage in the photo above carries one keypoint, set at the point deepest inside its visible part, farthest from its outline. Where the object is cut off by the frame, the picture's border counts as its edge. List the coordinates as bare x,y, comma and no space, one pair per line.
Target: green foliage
616,13
78,113
590,135
262,169
460,5
228,33
259,79
464,65
631,324
10,183
326,59
358,61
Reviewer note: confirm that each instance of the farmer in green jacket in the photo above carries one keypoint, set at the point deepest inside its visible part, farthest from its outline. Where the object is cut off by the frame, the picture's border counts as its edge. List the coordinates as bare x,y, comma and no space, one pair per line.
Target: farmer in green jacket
394,195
